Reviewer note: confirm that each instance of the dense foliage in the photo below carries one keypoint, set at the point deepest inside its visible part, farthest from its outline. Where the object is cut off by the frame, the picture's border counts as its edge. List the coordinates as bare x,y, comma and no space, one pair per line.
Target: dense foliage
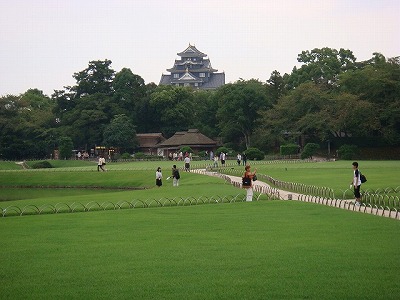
309,150
42,165
330,97
289,149
254,154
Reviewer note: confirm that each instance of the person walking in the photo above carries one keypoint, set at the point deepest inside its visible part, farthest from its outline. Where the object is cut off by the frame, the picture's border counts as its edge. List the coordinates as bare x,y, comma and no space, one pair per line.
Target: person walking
158,177
244,159
247,182
100,163
222,157
175,176
238,158
187,163
356,183
215,161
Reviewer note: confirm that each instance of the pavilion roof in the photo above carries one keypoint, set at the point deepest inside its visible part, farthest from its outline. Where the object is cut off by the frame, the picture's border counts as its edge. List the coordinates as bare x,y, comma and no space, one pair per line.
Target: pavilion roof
149,140
192,137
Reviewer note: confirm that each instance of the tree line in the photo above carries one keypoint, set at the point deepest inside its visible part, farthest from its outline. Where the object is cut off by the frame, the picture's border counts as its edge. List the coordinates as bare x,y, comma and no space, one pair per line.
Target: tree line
330,97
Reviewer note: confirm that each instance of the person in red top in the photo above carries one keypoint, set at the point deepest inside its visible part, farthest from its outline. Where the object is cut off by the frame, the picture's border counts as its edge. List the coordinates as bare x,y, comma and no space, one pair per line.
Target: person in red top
248,182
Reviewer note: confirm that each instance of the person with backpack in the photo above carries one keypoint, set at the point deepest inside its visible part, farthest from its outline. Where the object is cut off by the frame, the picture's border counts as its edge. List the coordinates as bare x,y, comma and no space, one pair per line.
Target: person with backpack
356,183
247,182
175,176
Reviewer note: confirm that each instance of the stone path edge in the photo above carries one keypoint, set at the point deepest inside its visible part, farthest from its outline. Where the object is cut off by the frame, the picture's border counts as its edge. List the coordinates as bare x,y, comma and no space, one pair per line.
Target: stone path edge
264,188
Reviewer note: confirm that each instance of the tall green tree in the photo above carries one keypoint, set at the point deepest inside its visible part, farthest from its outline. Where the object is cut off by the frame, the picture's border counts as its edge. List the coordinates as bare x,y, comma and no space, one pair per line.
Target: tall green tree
83,110
204,116
86,122
146,115
96,78
129,89
9,107
173,107
378,83
238,107
304,111
319,114
276,86
24,120
321,66
66,147
120,133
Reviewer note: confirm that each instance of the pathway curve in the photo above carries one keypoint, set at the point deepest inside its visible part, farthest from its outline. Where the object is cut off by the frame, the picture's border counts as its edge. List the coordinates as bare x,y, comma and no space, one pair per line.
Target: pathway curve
264,188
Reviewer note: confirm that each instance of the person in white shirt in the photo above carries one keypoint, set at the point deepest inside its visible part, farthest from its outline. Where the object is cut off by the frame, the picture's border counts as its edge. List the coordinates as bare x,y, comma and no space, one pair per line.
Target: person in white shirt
356,182
100,163
187,163
239,159
158,177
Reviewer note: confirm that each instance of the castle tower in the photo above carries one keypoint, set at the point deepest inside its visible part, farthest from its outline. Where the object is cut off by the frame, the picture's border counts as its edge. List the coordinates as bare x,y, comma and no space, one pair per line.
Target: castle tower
193,69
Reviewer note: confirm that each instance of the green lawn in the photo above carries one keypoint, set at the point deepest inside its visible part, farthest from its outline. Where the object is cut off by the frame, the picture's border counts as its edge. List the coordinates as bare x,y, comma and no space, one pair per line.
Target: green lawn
382,178
258,250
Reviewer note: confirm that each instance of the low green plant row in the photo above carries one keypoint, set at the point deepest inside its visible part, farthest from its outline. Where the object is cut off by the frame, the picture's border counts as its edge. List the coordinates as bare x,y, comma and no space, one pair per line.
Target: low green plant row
381,200
109,205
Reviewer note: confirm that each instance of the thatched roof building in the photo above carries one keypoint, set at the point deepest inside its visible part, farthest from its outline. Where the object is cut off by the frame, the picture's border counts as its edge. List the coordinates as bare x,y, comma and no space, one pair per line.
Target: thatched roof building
192,138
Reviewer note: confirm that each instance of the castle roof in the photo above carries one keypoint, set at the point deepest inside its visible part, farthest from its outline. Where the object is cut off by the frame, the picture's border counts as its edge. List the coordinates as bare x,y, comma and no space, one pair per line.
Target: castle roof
191,51
215,81
187,77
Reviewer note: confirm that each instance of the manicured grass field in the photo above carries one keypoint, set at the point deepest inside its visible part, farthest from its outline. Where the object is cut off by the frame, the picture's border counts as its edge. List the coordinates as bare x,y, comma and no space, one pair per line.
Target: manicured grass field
258,250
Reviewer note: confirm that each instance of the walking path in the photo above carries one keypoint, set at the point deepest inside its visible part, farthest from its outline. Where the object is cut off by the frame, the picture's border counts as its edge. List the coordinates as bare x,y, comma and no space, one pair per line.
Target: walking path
264,188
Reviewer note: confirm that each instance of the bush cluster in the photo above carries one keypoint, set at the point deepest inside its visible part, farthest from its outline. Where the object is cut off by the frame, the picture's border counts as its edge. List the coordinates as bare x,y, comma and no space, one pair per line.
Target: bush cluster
348,152
254,154
289,149
309,150
42,165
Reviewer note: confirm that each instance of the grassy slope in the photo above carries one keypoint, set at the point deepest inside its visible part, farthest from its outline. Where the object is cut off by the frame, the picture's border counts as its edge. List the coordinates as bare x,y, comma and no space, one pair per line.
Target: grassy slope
191,185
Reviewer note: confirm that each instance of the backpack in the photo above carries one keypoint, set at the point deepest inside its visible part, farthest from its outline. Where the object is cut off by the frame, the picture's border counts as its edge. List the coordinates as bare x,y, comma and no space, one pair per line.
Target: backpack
363,178
246,181
176,175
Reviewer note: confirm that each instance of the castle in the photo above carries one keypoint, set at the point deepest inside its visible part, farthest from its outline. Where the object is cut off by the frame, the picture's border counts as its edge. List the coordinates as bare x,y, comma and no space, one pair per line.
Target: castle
193,69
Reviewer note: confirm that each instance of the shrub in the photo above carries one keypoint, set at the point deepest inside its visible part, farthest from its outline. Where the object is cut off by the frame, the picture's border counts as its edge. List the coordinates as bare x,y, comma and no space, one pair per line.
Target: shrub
223,149
140,155
289,149
125,155
254,154
42,165
309,150
202,154
187,149
347,152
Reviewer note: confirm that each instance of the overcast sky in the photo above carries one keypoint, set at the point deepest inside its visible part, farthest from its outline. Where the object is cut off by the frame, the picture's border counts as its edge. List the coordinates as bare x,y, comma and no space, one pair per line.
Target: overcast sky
44,42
